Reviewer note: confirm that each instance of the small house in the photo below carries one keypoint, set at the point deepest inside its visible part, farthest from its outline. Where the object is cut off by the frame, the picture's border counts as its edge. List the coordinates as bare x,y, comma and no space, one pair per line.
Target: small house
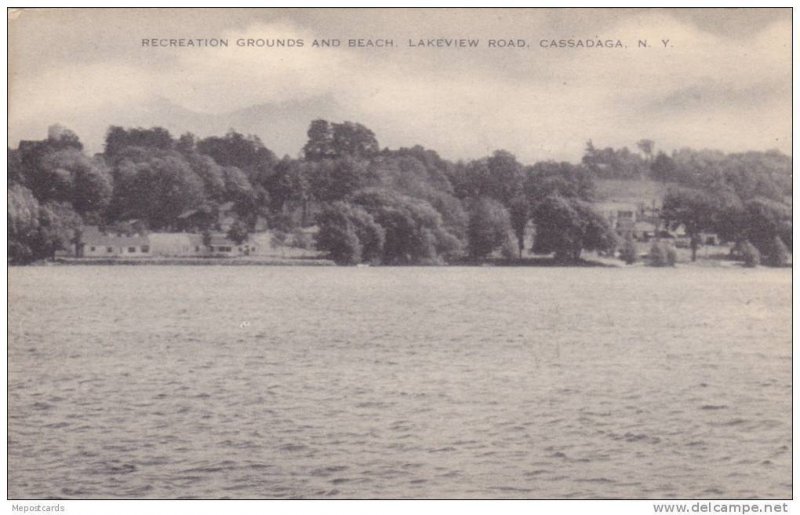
621,216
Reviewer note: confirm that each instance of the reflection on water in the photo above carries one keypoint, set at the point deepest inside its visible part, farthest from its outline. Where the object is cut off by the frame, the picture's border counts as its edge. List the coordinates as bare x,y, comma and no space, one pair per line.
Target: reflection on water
273,382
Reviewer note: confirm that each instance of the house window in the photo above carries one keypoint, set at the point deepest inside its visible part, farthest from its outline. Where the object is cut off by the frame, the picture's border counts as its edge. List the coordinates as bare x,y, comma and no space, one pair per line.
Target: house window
109,249
91,248
197,249
145,248
131,249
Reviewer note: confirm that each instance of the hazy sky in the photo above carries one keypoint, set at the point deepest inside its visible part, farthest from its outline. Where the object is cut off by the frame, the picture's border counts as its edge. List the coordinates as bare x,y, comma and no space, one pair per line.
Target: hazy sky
723,82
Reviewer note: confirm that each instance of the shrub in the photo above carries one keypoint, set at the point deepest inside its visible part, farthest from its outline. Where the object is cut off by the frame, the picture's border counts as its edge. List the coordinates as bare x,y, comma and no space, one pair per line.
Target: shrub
662,254
750,255
238,232
672,254
777,254
510,249
628,252
302,240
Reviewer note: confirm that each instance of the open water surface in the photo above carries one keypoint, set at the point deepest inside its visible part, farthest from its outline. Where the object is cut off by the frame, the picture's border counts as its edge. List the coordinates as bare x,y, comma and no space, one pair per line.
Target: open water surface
273,382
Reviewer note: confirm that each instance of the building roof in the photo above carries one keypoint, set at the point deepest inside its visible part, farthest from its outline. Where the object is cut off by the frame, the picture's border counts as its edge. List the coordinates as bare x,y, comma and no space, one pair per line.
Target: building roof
93,236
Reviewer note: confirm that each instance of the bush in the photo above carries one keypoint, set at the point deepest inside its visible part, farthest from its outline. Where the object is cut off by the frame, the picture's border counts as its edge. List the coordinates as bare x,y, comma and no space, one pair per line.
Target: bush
238,232
777,254
750,255
628,252
662,254
302,240
672,255
510,249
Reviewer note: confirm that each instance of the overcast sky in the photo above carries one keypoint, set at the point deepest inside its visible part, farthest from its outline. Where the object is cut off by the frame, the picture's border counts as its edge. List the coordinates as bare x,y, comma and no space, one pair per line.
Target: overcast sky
723,82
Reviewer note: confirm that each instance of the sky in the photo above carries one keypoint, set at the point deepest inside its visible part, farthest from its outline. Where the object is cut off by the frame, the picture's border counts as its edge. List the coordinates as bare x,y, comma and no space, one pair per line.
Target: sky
721,81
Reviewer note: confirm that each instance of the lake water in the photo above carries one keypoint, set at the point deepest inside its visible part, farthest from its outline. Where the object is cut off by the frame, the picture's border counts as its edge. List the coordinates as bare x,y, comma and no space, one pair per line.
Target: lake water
273,382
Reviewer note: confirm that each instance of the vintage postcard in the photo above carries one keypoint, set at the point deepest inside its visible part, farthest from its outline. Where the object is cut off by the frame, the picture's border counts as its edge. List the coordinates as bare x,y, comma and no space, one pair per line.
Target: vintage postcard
400,254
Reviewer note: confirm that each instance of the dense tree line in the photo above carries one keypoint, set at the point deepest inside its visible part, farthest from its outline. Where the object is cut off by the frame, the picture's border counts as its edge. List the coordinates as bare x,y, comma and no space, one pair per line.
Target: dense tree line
373,205
743,197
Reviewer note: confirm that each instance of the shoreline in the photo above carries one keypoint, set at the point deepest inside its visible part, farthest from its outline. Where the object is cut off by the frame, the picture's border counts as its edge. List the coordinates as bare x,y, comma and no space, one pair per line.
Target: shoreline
533,262
167,261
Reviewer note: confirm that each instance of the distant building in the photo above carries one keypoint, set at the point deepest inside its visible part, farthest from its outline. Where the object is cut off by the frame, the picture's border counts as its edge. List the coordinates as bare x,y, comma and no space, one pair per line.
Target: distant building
92,242
178,244
221,245
621,216
645,231
196,245
709,238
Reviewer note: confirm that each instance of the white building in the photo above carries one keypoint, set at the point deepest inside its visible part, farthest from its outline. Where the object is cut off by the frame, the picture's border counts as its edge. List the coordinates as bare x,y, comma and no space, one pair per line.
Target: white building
178,244
621,216
95,243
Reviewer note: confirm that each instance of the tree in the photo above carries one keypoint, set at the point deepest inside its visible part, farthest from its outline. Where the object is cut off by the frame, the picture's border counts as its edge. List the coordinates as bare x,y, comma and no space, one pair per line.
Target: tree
156,189
16,173
118,139
415,231
628,253
335,179
320,141
548,178
499,177
57,170
608,163
763,220
61,137
750,255
349,234
247,153
35,230
23,222
567,226
85,183
210,173
238,232
333,140
777,254
663,168
489,226
355,140
696,210
519,211
505,178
